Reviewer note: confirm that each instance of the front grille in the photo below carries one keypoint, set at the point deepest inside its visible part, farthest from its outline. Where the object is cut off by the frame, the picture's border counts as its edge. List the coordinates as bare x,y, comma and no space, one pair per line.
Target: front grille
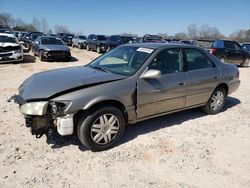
6,55
9,48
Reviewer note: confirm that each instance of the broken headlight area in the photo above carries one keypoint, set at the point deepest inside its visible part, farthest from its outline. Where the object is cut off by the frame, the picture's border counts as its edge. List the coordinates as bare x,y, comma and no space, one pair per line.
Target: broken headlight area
57,108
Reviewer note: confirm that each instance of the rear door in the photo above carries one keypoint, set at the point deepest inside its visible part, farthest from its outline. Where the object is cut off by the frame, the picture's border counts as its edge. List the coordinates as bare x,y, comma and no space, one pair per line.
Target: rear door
167,93
234,52
203,76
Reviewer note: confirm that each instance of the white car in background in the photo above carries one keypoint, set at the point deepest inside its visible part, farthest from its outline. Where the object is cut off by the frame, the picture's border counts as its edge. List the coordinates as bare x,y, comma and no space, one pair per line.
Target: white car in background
10,49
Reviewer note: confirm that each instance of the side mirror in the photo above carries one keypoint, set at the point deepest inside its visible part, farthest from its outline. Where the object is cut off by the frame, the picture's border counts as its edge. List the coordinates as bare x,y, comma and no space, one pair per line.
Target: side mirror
151,74
94,39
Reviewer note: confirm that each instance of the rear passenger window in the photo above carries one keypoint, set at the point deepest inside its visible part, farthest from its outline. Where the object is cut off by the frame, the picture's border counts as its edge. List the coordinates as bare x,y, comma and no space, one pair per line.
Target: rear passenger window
229,45
168,61
217,44
196,59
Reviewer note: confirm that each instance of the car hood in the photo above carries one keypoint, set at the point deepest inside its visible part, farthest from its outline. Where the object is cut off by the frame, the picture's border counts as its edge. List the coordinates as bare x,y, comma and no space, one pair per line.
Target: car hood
47,85
54,47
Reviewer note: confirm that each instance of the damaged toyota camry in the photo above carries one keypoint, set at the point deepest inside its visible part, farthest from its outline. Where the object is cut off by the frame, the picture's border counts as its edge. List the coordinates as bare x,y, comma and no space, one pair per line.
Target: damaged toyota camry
131,83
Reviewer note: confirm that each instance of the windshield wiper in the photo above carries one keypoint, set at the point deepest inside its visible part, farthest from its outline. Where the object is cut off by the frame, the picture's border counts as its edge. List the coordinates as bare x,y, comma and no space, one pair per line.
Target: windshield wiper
99,68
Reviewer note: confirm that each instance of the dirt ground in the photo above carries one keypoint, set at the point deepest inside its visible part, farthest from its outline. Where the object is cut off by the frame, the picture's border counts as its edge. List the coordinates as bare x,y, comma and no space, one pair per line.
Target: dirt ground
185,149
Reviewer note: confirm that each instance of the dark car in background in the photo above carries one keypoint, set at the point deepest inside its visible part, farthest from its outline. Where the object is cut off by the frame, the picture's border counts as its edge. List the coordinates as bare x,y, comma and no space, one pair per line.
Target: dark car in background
96,43
152,39
79,41
117,40
246,46
30,38
51,48
67,38
231,52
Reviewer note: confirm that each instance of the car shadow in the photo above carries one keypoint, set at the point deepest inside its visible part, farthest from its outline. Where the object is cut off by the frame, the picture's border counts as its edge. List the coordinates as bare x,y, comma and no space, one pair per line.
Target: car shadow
73,59
28,59
175,119
133,131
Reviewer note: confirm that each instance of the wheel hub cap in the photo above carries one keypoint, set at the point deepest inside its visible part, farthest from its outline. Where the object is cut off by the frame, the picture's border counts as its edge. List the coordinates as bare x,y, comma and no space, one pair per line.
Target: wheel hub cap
104,129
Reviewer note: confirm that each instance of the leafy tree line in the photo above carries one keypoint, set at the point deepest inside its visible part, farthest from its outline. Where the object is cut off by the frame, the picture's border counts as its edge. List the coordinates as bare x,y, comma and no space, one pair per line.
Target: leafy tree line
193,32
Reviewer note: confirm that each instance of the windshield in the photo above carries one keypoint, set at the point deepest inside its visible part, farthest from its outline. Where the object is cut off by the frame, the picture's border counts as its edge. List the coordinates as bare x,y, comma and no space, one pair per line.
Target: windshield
51,40
82,37
246,46
35,35
101,37
124,60
6,39
127,39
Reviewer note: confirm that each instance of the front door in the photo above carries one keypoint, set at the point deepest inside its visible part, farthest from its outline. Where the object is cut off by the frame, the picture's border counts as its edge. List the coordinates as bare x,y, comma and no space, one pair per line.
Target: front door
167,93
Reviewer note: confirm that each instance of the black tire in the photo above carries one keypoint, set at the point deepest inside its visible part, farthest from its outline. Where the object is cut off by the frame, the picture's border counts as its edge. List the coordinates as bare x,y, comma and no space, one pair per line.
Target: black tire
68,59
41,55
108,49
222,59
85,127
245,63
87,47
208,108
98,49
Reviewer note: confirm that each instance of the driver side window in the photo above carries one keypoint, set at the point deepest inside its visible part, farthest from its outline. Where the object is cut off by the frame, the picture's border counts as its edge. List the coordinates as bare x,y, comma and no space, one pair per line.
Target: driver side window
168,61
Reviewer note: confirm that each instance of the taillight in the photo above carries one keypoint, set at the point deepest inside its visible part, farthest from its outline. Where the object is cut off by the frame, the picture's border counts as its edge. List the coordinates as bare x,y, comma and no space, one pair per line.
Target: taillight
212,51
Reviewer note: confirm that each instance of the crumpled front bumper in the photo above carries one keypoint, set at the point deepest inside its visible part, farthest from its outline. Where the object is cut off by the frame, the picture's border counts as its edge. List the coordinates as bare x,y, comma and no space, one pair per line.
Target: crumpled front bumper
39,117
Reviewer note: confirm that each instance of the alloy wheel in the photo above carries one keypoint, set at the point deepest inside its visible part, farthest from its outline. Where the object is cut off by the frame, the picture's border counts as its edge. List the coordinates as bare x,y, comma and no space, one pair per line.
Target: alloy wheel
217,100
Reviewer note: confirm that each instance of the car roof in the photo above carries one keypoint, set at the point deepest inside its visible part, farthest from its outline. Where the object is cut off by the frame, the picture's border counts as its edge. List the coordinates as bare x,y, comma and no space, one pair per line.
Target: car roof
158,45
8,35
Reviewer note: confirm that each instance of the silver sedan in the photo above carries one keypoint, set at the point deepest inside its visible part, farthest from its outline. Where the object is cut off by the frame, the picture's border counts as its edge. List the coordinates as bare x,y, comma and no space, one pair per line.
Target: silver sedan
129,84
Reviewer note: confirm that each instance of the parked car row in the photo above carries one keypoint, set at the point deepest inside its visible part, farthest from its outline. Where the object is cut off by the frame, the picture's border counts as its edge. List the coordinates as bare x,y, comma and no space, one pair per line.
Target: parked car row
225,50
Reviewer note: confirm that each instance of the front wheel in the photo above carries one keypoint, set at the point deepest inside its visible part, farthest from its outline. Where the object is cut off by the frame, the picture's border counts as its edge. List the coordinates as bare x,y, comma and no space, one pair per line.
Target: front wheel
98,49
87,47
41,56
101,128
216,101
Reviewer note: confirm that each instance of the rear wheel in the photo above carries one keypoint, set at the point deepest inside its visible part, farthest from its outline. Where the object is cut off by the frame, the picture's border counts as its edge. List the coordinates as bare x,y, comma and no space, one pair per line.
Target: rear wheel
216,101
101,128
87,47
245,63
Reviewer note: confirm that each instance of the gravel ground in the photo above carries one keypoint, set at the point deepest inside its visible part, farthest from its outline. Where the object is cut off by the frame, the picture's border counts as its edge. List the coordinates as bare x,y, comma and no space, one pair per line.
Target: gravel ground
185,149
